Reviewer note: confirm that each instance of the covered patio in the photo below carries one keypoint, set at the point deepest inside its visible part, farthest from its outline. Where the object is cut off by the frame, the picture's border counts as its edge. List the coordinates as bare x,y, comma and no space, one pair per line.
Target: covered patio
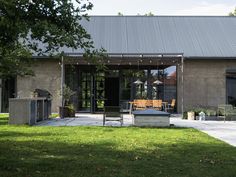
128,77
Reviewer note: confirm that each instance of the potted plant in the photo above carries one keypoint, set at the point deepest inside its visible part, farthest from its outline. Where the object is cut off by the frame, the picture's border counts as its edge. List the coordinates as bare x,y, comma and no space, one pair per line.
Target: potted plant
71,110
193,112
66,110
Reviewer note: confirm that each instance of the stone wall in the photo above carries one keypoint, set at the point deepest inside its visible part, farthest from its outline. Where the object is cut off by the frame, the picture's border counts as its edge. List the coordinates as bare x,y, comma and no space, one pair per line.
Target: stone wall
47,76
204,82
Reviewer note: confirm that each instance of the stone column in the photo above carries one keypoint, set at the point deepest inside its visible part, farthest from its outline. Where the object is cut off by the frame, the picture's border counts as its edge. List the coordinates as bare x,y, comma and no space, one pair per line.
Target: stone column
180,86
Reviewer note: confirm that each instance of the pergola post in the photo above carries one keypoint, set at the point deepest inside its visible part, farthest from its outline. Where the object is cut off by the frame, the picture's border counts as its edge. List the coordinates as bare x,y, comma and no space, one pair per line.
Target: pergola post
182,80
0,95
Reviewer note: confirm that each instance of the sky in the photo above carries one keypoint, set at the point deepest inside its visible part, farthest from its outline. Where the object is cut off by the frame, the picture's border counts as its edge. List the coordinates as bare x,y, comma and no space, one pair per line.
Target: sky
163,7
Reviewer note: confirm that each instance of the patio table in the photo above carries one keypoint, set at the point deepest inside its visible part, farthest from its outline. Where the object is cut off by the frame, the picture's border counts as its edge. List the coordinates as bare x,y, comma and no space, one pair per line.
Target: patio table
164,104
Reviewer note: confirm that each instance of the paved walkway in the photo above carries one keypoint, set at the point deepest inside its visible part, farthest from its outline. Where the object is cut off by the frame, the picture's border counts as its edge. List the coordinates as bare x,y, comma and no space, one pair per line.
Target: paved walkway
225,131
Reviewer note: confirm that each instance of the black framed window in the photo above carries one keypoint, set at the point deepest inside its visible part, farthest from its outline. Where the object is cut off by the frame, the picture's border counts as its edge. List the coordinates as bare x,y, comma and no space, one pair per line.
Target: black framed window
230,88
8,91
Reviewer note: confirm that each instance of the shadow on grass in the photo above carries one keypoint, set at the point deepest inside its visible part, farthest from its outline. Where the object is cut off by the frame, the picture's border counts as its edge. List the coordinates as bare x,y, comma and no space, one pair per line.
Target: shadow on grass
4,120
112,156
39,131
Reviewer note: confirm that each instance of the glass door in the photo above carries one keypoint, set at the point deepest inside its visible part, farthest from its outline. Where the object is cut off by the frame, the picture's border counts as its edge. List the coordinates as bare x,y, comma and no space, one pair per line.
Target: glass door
99,92
85,91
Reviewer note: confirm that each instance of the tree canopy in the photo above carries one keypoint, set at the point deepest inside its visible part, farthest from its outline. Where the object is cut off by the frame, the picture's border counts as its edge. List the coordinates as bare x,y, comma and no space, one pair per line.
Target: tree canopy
120,14
53,23
147,14
233,13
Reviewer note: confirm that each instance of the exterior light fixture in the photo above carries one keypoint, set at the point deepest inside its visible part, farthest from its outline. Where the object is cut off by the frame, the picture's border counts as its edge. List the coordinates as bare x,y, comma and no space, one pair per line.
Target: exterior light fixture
138,81
157,82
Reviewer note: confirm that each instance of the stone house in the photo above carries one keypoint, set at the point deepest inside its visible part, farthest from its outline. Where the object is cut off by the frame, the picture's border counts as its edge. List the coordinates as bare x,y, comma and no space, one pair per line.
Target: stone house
192,57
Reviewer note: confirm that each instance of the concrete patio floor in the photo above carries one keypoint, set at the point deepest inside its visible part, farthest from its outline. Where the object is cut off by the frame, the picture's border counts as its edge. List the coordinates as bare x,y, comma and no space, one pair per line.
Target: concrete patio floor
225,131
85,120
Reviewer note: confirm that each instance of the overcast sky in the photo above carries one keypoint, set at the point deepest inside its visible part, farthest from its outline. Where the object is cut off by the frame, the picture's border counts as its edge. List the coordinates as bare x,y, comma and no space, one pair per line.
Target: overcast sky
163,7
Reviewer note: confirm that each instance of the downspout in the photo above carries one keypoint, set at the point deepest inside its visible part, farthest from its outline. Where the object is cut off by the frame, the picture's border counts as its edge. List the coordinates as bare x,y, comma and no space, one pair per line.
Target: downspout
62,79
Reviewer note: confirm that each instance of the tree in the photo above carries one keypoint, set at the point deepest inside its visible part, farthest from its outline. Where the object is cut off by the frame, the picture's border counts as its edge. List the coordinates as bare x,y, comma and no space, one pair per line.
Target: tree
120,14
149,14
138,14
24,24
233,13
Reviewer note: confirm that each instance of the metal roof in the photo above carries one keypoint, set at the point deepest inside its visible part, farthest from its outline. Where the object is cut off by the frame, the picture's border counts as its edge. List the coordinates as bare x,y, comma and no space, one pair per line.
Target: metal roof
194,36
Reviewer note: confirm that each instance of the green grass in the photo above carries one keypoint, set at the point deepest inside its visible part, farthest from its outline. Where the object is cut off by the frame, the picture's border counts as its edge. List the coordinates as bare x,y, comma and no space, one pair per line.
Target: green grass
105,151
54,115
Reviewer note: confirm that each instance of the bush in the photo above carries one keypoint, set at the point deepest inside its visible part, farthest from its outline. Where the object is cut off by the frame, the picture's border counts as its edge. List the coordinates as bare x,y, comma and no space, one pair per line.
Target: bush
71,110
185,115
209,111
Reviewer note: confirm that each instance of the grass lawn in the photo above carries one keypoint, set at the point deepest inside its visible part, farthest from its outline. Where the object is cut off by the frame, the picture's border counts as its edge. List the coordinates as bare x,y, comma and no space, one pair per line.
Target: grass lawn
105,151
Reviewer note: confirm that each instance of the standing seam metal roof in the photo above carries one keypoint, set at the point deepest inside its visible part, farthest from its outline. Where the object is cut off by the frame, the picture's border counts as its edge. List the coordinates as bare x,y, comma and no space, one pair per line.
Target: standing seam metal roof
195,36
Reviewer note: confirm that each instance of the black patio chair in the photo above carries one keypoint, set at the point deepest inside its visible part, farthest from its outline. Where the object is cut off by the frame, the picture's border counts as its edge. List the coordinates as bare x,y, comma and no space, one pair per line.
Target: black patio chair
112,113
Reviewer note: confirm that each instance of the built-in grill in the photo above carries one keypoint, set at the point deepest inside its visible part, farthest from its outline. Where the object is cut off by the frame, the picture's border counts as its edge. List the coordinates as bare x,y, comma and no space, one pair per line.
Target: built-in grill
46,107
43,93
32,109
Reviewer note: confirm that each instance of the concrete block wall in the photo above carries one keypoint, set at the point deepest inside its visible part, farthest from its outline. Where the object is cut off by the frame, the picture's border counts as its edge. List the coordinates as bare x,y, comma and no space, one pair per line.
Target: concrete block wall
47,76
204,82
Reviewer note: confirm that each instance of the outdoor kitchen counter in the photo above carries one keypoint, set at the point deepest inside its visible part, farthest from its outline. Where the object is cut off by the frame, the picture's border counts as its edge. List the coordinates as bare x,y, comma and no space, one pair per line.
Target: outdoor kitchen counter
28,110
152,118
